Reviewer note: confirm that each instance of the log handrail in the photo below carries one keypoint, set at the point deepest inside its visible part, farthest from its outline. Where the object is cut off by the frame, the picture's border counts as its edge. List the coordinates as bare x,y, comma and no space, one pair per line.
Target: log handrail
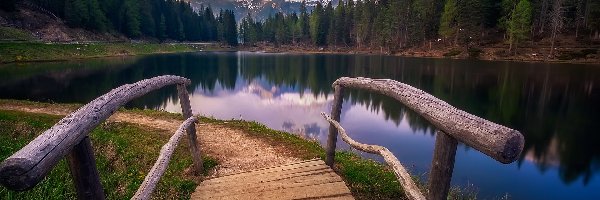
498,142
401,174
159,167
28,166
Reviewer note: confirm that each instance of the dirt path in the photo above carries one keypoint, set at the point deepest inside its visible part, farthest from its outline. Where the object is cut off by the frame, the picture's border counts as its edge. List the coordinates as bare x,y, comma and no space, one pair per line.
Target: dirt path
236,151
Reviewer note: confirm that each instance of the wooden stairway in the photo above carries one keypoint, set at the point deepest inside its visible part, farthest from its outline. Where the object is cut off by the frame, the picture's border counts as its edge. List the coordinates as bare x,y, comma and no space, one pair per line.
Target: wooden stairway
309,179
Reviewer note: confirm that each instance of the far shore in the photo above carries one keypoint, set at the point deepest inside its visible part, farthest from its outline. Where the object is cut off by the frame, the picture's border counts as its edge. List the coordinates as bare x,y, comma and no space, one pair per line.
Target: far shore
21,52
485,53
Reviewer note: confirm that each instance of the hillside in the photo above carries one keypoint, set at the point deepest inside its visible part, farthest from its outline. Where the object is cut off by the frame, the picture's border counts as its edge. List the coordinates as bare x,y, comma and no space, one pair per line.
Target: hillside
30,22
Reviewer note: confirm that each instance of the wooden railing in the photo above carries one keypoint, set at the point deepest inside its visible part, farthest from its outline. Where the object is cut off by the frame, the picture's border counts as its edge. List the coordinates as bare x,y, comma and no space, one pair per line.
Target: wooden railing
500,143
69,138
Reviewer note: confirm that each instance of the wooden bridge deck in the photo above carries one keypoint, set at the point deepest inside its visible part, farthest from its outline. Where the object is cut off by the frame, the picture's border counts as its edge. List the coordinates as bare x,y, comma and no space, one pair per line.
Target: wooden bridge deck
309,179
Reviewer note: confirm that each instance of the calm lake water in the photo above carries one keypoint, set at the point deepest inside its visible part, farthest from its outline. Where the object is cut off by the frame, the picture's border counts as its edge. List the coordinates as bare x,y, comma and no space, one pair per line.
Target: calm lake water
556,106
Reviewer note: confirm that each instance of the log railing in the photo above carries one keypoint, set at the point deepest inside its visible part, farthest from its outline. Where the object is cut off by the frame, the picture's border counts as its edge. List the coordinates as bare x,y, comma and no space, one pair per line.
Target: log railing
69,138
498,142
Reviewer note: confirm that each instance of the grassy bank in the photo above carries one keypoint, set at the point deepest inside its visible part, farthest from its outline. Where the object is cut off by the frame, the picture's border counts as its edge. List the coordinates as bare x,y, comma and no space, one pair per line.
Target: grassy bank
124,155
35,51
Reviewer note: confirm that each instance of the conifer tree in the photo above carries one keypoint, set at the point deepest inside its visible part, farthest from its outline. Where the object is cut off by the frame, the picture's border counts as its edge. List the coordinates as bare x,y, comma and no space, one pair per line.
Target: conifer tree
519,24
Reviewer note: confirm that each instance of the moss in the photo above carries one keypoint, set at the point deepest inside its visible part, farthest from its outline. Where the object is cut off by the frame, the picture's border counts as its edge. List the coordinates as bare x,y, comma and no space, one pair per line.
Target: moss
474,52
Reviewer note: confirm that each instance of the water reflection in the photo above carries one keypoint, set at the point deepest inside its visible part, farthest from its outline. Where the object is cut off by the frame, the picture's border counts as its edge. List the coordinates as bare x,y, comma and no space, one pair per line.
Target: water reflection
554,105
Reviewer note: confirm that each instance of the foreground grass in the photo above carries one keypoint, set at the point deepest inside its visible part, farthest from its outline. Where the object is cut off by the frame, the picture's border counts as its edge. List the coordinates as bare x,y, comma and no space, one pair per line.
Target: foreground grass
34,51
124,155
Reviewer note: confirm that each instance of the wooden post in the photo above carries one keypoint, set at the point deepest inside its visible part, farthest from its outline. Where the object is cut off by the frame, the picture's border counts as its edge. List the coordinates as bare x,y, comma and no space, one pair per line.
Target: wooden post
336,110
442,166
82,165
184,100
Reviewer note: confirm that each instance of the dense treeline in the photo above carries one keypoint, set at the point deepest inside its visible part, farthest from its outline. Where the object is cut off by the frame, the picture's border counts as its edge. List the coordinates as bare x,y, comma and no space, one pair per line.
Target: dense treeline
162,19
405,23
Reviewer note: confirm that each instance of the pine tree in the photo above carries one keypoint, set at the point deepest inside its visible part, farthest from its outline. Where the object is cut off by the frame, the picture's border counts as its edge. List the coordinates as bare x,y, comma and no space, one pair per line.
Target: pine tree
303,21
76,13
162,28
130,15
316,19
519,24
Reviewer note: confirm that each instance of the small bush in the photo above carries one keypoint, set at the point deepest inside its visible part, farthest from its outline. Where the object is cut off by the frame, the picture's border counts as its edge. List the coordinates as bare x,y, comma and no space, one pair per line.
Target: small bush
8,33
589,51
452,52
474,52
501,53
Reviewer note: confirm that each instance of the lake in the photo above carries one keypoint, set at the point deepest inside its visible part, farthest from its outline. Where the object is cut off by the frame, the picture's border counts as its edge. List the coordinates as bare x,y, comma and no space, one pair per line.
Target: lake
555,106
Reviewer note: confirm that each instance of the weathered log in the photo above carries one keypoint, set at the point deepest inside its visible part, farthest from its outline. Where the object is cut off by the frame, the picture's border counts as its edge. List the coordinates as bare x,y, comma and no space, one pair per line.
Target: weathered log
442,166
499,142
336,110
406,182
82,166
25,168
186,109
147,187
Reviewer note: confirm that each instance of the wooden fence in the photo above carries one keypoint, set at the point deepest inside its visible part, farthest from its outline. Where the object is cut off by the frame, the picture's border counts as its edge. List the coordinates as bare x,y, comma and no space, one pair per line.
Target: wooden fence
69,138
500,143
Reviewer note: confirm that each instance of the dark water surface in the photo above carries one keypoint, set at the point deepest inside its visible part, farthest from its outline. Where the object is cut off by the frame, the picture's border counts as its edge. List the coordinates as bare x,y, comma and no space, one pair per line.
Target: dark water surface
556,106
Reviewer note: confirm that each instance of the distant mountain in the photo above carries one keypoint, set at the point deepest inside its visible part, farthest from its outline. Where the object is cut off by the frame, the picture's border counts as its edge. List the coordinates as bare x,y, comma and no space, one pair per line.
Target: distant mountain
259,9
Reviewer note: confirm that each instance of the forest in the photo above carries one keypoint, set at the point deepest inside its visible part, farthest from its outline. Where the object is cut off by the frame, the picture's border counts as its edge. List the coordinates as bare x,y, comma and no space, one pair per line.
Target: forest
394,25
160,19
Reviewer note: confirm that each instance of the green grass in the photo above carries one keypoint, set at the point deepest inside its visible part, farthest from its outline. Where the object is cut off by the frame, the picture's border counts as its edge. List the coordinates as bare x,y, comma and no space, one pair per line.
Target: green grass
34,51
124,155
8,33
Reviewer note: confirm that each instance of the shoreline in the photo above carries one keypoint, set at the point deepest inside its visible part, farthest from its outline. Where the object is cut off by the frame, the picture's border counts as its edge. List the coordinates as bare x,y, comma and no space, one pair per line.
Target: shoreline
31,52
415,53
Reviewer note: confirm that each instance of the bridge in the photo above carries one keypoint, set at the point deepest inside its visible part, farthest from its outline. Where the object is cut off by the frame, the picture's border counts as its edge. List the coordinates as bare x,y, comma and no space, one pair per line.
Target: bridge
309,179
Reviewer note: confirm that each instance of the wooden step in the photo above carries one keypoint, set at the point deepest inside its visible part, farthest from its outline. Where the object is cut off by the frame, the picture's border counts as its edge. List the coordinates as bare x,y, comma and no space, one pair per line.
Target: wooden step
309,179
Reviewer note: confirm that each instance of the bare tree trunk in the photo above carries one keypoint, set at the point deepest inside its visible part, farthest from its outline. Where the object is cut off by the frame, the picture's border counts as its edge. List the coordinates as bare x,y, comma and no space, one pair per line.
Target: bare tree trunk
557,23
579,16
543,15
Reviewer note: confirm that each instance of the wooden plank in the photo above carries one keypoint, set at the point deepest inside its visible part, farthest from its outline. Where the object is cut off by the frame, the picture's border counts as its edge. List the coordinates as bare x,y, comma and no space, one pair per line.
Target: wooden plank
28,166
186,109
226,190
270,177
499,142
283,169
161,164
251,181
308,191
442,166
82,166
304,162
303,180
